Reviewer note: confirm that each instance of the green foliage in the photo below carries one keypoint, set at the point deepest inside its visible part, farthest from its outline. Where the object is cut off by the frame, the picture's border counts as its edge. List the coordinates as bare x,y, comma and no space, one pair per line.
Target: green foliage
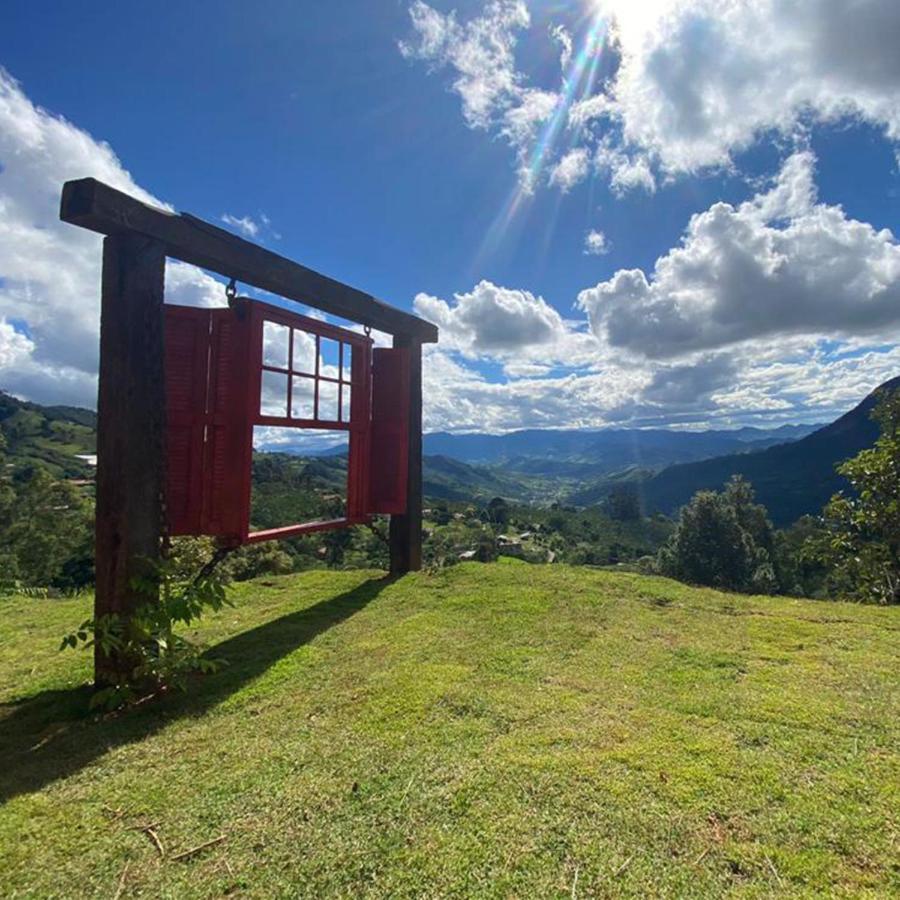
46,532
623,504
157,657
723,540
497,511
860,541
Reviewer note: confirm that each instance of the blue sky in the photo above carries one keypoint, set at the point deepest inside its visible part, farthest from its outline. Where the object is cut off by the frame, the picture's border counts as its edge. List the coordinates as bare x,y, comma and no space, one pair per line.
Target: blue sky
392,145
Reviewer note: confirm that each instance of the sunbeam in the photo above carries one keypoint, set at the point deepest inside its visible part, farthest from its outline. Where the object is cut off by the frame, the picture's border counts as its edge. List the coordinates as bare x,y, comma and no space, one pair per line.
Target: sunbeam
578,84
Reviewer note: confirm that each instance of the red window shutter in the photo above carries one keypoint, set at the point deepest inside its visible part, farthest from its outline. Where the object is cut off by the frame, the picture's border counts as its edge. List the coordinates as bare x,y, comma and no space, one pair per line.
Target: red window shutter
389,449
186,347
229,434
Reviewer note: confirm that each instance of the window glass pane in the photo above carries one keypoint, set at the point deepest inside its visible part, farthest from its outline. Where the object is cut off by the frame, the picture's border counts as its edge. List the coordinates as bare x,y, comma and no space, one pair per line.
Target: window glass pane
303,398
273,395
328,401
329,359
304,352
347,366
275,345
345,402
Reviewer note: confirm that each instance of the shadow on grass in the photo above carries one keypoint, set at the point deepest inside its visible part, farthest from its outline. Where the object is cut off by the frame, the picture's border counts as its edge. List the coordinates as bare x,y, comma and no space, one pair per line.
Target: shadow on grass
51,735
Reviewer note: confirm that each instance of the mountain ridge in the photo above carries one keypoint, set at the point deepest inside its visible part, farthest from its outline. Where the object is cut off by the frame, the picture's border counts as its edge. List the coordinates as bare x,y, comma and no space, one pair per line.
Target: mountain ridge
790,480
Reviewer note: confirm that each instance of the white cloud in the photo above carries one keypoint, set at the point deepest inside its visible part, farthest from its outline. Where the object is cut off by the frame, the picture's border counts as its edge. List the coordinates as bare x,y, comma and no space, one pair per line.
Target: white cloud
522,121
831,275
560,34
15,347
492,320
571,169
480,53
50,271
778,264
595,243
248,226
697,80
626,171
701,79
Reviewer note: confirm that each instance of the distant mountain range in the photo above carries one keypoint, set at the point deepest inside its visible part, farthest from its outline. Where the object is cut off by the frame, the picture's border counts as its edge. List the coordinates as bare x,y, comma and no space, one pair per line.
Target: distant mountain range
791,467
790,480
587,453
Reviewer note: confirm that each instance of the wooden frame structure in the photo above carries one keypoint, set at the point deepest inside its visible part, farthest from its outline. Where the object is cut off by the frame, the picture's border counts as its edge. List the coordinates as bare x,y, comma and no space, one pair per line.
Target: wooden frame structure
131,426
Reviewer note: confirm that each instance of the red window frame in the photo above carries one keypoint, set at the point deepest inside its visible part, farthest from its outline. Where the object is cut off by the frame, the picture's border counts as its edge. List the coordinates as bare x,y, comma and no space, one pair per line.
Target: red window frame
215,368
358,422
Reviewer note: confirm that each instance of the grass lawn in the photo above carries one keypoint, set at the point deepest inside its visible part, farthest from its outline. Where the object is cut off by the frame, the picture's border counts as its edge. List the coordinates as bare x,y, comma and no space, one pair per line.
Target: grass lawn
502,730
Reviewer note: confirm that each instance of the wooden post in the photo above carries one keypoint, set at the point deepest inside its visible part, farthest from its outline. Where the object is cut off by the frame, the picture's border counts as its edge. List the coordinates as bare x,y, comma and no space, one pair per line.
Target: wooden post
130,430
406,529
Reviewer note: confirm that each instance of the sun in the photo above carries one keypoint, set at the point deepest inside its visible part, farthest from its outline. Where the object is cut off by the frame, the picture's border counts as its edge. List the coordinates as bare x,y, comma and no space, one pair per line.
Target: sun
632,18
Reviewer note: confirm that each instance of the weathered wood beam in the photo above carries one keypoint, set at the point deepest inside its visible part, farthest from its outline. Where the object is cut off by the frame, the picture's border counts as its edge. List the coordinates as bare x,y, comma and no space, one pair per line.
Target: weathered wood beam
406,529
130,434
96,206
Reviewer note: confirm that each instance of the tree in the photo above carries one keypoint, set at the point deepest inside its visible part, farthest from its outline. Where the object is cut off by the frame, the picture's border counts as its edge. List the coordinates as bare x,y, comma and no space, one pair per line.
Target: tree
498,511
623,504
860,542
47,531
723,540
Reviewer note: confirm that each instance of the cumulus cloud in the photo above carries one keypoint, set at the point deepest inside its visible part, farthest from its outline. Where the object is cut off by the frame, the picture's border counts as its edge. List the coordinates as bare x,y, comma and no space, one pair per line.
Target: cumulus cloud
778,264
696,81
595,243
701,79
492,320
50,271
15,347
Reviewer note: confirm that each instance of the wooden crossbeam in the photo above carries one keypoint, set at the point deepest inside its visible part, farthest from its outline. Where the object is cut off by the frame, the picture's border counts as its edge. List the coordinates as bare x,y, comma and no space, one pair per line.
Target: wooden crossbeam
98,207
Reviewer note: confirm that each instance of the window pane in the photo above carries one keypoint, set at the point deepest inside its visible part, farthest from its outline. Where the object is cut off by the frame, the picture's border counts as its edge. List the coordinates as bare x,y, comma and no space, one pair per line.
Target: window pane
329,358
302,398
273,396
347,366
345,402
328,401
304,352
275,345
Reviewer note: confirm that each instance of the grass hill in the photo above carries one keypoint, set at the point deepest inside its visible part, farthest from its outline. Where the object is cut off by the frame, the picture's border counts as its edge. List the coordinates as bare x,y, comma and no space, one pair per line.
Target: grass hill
52,435
791,480
491,731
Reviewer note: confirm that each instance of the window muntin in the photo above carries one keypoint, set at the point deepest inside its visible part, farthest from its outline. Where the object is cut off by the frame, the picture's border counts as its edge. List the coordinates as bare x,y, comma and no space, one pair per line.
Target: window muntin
308,375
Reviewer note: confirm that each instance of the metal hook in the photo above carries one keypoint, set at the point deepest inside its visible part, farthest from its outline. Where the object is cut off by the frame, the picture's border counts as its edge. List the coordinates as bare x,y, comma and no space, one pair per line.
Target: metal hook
231,292
367,330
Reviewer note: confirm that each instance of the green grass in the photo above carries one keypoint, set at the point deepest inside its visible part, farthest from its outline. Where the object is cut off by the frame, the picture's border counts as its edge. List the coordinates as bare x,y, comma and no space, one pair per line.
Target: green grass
502,730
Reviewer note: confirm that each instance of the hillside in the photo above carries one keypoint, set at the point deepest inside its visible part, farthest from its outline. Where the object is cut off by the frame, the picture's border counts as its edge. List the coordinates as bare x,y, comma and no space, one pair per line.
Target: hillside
449,479
491,731
791,480
51,435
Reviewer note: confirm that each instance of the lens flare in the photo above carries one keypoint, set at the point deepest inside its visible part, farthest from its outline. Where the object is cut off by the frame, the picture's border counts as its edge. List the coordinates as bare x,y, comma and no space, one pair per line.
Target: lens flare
578,84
